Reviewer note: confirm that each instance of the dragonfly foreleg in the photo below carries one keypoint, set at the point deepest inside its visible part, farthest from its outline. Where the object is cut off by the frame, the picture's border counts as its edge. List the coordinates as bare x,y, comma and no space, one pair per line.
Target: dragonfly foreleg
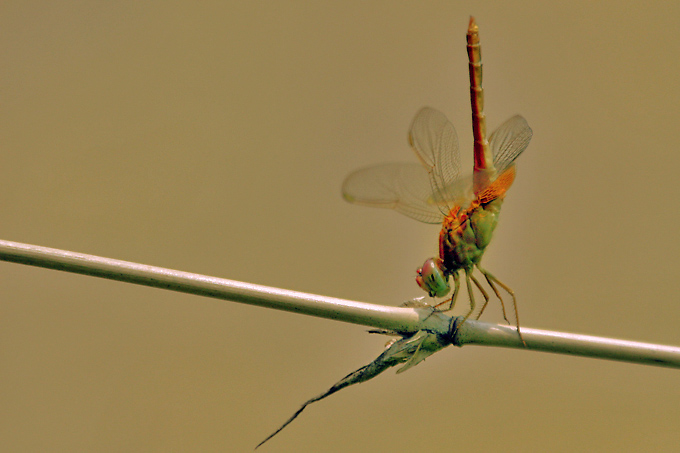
452,301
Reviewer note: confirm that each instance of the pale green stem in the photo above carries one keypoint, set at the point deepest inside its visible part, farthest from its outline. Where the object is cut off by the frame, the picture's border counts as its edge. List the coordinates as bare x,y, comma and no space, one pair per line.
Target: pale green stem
399,319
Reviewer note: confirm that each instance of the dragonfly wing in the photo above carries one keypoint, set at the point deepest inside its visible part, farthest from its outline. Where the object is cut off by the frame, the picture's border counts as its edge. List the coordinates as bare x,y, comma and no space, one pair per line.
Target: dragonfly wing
435,142
509,141
402,187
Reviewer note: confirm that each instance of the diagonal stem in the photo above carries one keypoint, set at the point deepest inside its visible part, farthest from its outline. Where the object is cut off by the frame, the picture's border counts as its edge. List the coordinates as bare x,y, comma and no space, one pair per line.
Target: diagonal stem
404,320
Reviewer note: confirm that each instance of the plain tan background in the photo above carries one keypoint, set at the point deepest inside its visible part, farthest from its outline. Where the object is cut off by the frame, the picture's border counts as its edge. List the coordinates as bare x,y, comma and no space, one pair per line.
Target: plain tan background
214,138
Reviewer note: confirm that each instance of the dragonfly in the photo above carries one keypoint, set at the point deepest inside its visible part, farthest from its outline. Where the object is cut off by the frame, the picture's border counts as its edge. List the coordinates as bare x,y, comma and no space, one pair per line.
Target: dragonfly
434,192
467,207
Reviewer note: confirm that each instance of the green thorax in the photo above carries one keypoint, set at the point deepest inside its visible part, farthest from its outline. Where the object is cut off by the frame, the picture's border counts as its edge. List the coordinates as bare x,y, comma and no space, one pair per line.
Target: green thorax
466,233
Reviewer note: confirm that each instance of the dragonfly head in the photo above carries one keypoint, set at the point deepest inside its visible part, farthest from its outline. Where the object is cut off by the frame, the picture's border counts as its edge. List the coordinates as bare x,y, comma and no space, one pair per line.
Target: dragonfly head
432,278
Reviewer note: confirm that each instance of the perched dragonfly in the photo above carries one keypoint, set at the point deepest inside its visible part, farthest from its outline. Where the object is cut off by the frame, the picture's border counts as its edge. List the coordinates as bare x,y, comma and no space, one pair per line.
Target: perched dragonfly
434,192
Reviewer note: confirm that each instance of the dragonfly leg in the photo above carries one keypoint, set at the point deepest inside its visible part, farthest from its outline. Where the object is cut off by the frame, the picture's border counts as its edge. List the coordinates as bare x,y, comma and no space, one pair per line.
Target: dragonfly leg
491,280
468,274
484,293
452,301
472,296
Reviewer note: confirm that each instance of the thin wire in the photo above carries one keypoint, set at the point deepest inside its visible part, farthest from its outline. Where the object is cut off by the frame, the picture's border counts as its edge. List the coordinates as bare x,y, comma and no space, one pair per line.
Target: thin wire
403,320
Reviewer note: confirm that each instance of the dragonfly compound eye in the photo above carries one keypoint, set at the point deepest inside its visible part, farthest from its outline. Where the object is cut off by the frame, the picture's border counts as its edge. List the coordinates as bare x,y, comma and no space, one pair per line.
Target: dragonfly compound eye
432,279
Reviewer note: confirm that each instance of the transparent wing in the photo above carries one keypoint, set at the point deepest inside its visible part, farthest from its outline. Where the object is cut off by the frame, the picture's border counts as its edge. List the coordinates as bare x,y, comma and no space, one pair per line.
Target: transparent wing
435,142
509,141
402,187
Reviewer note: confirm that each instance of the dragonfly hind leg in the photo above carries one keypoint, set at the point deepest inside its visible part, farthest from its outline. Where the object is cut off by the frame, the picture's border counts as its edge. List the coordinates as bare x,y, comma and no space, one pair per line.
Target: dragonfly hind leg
491,280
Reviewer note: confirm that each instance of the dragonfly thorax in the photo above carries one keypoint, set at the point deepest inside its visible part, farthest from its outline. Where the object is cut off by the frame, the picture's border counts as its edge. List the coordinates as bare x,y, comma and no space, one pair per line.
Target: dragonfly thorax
466,233
464,236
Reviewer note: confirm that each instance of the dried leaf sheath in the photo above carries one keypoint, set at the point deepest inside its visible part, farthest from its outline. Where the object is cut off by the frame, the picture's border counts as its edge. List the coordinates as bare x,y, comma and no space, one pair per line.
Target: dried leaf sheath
412,350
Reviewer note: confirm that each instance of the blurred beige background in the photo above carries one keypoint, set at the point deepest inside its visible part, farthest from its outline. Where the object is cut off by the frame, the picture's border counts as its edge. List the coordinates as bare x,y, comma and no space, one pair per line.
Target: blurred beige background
214,137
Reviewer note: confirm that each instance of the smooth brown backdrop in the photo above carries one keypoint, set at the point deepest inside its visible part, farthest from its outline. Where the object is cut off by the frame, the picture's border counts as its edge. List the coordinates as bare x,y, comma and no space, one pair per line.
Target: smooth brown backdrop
213,137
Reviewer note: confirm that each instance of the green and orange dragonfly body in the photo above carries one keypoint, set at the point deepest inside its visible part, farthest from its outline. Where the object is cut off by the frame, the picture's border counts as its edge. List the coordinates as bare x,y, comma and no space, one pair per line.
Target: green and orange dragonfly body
434,192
